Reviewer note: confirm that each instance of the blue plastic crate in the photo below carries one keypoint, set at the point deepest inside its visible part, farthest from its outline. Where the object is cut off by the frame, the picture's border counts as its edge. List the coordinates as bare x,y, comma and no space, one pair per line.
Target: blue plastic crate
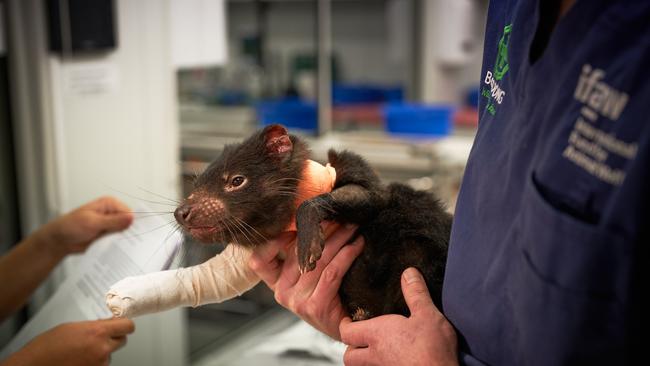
292,113
394,95
471,99
343,94
419,119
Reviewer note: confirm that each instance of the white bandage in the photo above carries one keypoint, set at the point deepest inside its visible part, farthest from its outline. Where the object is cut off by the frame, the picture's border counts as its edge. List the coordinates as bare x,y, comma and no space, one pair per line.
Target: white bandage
221,278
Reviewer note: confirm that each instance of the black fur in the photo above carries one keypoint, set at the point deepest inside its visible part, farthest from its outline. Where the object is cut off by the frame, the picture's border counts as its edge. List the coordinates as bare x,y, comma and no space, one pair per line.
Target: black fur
401,227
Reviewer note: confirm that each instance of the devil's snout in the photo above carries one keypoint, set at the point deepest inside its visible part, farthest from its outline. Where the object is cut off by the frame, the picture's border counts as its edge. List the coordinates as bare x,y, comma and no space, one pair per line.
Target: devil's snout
200,212
182,214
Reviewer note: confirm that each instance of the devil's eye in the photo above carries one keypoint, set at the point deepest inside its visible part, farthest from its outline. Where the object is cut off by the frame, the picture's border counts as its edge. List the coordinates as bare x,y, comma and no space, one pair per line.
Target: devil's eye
237,181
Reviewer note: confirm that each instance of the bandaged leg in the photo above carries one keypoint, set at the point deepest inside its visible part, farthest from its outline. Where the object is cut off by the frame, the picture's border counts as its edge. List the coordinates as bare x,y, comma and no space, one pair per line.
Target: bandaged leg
221,278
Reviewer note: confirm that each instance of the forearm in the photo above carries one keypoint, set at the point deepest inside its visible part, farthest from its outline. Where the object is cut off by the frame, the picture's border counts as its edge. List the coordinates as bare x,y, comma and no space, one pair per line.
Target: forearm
221,278
24,268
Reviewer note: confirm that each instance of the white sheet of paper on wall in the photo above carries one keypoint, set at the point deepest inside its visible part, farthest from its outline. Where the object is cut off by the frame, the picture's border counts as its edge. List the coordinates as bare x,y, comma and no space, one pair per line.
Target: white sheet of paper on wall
90,78
198,33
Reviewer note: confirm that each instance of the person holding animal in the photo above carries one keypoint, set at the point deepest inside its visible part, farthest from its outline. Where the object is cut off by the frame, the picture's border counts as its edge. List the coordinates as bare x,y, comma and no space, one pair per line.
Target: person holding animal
267,185
548,250
30,262
314,297
543,267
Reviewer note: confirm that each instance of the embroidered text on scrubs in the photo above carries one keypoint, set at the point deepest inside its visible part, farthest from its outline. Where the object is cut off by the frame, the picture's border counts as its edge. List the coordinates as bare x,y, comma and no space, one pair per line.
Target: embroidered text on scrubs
495,90
501,67
590,147
598,96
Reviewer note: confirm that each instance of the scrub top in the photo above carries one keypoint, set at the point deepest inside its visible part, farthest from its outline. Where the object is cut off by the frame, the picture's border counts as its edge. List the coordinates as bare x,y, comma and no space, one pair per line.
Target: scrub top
548,244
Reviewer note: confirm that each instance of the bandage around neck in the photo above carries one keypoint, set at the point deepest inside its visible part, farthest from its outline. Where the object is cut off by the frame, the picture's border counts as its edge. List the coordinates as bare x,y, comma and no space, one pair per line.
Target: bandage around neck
220,278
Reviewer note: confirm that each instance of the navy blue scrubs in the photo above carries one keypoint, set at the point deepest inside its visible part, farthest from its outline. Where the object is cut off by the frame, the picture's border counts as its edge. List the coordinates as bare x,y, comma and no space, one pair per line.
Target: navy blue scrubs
548,246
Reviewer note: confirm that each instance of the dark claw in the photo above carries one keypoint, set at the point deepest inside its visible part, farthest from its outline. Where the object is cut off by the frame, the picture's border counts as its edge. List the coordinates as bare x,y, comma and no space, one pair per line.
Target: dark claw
310,248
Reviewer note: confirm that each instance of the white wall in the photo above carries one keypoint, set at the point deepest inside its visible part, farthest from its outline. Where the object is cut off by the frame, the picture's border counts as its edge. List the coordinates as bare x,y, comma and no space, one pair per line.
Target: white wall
79,140
119,132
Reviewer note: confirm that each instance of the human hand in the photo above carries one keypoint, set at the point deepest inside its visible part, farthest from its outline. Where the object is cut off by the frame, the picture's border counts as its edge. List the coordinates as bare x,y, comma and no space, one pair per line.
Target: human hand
424,338
313,296
85,343
74,231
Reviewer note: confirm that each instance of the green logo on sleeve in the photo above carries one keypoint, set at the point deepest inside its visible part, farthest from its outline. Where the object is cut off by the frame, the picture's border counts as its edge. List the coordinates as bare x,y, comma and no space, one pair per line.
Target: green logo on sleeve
492,90
501,64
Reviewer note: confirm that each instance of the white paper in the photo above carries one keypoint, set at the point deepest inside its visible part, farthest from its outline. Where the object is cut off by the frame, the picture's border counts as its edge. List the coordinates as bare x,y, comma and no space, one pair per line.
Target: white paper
90,78
147,246
198,33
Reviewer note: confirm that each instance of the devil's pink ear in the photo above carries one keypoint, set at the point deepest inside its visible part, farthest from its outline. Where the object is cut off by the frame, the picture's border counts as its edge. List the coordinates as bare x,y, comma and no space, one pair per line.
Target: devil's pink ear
278,143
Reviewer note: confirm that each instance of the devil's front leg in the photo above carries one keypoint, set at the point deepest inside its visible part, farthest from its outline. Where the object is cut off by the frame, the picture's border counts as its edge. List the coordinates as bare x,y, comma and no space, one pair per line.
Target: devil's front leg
349,203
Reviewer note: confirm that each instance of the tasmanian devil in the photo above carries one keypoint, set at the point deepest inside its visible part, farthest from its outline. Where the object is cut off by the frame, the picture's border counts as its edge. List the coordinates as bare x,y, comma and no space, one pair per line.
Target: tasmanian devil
252,185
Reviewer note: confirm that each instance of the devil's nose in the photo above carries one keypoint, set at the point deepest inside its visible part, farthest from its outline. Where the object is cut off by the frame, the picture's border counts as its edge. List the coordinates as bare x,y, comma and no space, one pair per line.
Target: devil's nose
182,214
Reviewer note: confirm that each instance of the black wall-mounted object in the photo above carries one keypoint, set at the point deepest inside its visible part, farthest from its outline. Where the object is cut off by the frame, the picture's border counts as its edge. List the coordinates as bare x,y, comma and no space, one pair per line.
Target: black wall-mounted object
81,25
